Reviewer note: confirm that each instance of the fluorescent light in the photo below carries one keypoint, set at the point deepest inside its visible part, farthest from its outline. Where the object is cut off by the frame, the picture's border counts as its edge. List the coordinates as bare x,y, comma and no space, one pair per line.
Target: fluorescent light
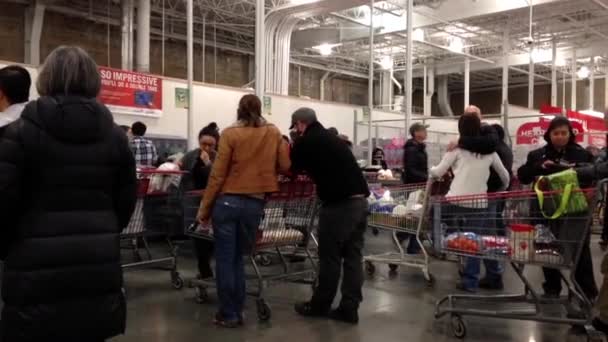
386,63
324,49
541,55
583,72
456,44
418,35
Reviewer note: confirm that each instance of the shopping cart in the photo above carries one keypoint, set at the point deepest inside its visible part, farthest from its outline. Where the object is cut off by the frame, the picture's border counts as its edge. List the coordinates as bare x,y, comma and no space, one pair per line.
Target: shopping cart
401,209
288,218
516,233
157,193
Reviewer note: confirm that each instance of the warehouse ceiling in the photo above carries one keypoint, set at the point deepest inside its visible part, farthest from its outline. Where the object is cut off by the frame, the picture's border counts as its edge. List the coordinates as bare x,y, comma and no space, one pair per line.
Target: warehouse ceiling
447,32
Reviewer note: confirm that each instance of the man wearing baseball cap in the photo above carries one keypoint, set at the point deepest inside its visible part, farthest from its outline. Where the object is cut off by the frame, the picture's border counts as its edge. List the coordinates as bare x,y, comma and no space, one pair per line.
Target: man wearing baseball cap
415,170
343,192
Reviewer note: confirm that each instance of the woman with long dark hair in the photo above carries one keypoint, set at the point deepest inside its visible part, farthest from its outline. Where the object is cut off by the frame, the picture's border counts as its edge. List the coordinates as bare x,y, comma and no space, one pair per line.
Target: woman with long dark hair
197,163
471,173
251,153
561,153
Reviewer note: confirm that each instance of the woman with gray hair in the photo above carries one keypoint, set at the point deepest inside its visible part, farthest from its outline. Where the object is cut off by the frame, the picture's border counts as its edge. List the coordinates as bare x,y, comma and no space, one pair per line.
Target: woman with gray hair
67,187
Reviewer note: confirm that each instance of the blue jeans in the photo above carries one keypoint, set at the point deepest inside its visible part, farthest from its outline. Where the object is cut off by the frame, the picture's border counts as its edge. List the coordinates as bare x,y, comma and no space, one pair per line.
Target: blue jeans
494,269
235,222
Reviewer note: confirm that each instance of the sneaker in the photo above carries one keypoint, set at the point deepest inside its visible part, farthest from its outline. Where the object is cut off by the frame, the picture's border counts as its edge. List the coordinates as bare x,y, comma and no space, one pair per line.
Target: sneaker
307,309
599,325
488,284
220,321
345,315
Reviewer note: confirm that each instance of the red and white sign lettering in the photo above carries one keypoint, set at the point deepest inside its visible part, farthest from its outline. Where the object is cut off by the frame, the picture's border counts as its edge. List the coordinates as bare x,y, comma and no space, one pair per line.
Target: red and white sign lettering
131,93
532,133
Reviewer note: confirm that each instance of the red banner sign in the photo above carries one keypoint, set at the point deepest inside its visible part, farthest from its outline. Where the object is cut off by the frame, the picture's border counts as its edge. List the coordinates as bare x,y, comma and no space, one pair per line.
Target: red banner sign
531,133
131,93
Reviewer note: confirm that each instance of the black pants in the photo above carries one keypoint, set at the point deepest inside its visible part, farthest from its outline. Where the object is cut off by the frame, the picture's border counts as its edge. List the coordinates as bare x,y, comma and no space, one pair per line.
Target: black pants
565,229
341,229
583,276
605,228
204,252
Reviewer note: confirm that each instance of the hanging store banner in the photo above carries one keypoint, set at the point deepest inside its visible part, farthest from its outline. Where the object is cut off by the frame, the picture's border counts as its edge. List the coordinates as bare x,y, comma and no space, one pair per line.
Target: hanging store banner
532,133
125,92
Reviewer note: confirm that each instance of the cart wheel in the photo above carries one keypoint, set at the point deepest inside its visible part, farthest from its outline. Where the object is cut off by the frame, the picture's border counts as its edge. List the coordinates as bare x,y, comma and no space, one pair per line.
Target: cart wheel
201,295
459,329
370,268
176,281
264,311
265,260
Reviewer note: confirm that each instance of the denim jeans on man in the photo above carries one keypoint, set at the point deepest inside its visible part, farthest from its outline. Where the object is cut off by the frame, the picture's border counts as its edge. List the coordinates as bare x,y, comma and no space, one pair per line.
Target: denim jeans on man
235,222
492,225
341,229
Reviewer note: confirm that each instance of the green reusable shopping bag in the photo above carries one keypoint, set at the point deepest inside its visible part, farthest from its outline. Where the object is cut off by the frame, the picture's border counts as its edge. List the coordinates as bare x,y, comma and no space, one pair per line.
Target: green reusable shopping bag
566,196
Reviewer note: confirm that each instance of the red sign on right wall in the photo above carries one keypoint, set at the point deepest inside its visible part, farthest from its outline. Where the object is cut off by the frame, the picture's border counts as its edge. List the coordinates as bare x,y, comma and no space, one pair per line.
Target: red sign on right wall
532,133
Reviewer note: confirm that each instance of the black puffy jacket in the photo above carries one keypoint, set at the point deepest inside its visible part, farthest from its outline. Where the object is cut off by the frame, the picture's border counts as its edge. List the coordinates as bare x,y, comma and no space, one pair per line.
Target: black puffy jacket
415,162
572,154
67,187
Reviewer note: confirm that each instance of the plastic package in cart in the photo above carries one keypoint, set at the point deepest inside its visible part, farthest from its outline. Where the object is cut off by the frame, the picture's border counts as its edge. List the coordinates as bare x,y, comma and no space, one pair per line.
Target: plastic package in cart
467,242
496,245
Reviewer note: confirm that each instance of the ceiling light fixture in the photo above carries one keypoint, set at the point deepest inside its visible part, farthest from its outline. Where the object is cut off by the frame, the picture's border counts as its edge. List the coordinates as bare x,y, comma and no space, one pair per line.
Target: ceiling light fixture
456,44
583,72
324,49
386,63
541,55
418,35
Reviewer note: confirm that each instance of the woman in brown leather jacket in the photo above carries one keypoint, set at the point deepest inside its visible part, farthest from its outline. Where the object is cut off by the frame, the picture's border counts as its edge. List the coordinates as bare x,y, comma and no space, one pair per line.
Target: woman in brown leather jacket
251,154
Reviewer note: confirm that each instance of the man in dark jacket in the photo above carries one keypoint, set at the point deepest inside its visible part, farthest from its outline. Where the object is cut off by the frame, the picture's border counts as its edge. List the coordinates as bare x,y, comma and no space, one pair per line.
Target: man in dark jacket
67,188
415,158
415,170
343,192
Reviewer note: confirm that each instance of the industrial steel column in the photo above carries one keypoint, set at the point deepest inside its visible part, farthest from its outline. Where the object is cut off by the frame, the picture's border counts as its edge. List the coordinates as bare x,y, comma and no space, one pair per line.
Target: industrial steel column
260,53
370,84
190,57
506,46
554,74
34,20
531,82
573,92
591,84
127,35
606,89
408,65
143,36
429,89
467,81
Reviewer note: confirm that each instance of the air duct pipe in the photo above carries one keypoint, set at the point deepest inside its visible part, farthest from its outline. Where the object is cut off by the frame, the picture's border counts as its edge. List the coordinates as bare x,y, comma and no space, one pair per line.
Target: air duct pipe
443,96
323,79
143,36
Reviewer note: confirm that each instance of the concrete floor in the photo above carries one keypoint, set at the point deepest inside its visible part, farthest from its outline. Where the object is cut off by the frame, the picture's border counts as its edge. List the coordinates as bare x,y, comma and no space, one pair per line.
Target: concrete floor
394,309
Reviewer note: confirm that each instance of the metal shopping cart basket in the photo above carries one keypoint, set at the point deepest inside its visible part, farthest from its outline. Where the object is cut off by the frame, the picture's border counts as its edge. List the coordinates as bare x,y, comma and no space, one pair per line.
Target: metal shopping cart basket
157,194
401,209
404,209
288,218
462,228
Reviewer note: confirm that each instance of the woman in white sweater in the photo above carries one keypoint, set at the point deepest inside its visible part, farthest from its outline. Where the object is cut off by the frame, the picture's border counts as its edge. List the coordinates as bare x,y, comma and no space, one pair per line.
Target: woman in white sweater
471,172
